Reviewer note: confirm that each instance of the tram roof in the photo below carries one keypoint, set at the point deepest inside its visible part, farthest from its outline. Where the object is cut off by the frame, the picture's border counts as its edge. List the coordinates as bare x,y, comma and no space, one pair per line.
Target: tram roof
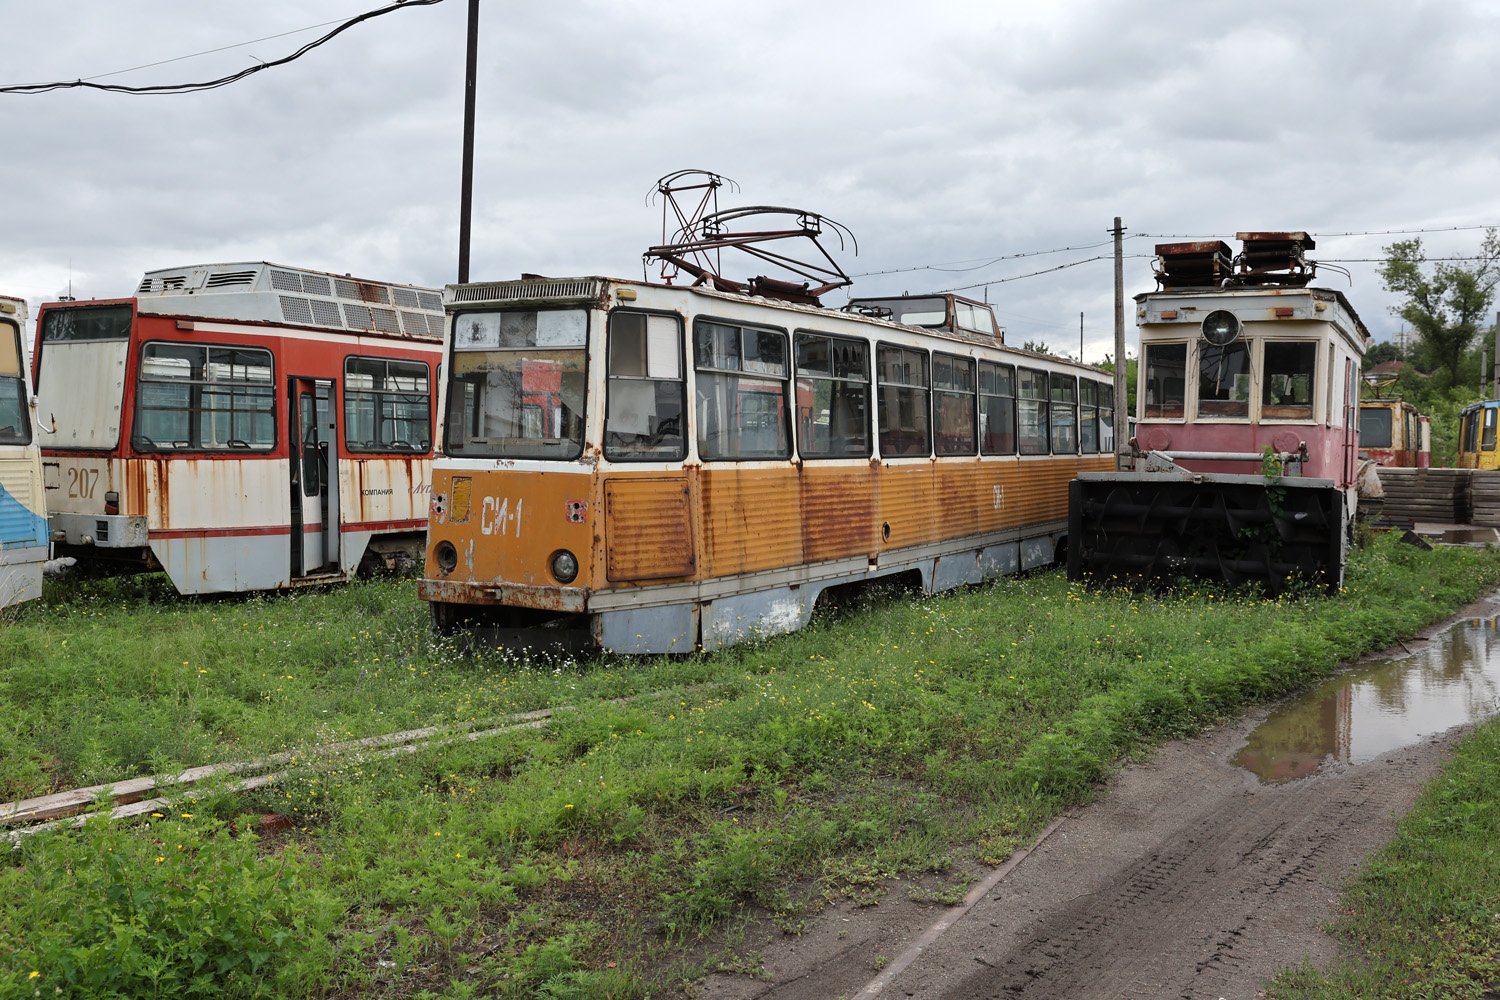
263,292
595,289
1244,303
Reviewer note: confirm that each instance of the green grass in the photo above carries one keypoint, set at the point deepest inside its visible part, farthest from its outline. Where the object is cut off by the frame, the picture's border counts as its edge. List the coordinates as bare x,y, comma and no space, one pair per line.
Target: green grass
1425,911
588,857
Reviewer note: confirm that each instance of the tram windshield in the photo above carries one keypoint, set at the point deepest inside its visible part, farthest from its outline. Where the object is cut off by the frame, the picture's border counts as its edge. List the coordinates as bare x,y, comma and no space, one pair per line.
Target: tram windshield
518,384
913,312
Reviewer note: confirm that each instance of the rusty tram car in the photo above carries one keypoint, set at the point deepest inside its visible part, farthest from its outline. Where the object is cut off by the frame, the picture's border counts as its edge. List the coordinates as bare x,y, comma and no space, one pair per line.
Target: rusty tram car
23,514
648,468
1476,435
1247,437
241,426
1392,434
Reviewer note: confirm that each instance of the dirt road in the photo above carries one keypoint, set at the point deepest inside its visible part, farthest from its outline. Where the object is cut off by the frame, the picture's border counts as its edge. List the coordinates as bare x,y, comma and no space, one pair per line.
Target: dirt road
1189,878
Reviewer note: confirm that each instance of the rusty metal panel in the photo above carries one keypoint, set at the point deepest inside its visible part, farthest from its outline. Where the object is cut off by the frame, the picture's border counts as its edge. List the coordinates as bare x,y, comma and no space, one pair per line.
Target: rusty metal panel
81,386
517,520
751,519
958,497
648,529
186,493
384,488
838,511
905,505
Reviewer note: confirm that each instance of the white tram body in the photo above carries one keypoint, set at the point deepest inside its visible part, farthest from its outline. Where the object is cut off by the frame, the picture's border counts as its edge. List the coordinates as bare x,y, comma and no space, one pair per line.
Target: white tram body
241,426
23,511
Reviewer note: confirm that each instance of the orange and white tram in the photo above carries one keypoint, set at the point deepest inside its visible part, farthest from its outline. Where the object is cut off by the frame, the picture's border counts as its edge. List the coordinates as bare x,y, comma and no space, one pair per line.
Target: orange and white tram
650,468
240,426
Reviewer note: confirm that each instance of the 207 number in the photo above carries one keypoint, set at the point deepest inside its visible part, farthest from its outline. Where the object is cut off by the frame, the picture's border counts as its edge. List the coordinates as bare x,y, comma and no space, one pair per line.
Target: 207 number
81,483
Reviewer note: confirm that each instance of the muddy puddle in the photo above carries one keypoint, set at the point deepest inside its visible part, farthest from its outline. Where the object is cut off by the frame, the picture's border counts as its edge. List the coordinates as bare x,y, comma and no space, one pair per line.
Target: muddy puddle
1467,536
1381,706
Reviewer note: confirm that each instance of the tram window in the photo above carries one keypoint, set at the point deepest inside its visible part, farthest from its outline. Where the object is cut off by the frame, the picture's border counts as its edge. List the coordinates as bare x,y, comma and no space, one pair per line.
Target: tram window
1166,367
1468,423
86,323
15,423
1088,417
1064,415
1374,428
975,319
1224,380
1288,381
1031,411
1487,439
833,397
953,405
904,427
387,405
191,397
1106,394
741,390
647,395
997,409
507,362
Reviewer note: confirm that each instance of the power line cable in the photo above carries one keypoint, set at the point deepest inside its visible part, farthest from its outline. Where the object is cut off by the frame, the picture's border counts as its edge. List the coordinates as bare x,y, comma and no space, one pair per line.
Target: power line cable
209,52
193,88
986,261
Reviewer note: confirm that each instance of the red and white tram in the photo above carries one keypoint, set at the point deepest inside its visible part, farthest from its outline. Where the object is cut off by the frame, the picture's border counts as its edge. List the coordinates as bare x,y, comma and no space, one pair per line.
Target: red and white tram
241,426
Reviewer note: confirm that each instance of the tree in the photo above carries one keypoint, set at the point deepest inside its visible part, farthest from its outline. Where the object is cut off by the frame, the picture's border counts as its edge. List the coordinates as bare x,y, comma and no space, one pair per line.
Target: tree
1444,305
1381,352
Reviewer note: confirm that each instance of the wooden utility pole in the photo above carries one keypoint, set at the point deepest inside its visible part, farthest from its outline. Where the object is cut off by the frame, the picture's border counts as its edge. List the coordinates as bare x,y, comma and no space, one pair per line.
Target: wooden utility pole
1122,415
466,189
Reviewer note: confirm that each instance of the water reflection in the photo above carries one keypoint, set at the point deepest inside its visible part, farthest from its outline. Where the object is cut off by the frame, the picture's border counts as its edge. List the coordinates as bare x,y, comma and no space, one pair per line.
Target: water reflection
1382,706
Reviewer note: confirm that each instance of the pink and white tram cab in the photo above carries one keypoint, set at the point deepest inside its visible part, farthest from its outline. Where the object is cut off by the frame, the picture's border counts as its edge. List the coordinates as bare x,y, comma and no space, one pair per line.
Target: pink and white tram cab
241,426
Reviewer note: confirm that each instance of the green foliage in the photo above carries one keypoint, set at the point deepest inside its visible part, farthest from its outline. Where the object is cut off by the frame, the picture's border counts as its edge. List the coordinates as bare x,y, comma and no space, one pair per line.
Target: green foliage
1445,304
180,910
890,740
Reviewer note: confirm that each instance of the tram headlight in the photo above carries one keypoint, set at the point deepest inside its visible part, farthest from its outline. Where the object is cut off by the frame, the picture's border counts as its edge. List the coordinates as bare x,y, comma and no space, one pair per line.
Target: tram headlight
564,566
446,556
1221,327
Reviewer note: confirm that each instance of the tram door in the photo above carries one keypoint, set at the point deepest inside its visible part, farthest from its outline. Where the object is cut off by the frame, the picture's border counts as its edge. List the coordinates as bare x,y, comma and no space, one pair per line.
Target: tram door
313,456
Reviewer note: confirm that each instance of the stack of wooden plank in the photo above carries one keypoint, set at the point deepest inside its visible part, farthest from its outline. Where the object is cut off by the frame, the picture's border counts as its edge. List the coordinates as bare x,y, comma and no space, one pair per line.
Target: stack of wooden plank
1440,495
1484,497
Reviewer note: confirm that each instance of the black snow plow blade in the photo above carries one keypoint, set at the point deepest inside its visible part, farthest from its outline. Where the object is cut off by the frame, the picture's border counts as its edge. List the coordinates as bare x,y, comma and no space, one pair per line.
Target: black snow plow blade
1149,529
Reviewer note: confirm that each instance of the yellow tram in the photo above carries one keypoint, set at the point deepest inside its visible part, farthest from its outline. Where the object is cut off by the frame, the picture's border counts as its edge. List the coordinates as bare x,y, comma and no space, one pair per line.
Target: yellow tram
650,468
1476,435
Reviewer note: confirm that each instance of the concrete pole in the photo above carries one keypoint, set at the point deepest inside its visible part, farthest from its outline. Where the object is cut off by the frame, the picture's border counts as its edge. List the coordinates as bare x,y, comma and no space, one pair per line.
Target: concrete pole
1122,417
1496,394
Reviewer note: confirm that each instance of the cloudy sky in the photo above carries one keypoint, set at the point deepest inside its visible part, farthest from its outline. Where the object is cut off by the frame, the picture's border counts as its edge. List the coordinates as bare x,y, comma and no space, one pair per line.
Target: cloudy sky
942,133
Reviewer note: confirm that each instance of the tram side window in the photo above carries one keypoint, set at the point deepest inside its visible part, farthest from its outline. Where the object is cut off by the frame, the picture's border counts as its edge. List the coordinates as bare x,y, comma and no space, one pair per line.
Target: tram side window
191,397
1224,380
1088,417
1487,438
1374,428
905,431
1166,380
15,423
997,409
953,405
518,382
1106,395
833,397
387,405
1288,381
1064,415
741,392
647,394
1031,411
